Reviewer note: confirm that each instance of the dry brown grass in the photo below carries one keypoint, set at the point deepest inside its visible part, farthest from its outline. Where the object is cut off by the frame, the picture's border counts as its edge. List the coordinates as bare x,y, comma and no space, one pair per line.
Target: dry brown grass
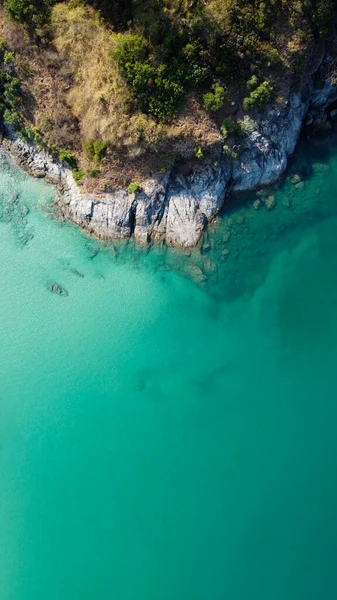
73,93
44,86
99,97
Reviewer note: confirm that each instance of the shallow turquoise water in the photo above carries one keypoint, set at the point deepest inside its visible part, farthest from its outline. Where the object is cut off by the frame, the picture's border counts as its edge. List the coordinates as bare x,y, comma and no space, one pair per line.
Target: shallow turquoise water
163,440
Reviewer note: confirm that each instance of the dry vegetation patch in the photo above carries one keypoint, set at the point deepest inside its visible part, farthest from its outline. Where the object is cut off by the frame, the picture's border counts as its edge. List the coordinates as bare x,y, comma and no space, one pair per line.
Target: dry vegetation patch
202,66
100,98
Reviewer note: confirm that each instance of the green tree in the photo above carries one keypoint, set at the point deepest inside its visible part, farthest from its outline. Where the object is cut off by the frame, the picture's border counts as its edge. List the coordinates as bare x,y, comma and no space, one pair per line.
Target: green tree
214,99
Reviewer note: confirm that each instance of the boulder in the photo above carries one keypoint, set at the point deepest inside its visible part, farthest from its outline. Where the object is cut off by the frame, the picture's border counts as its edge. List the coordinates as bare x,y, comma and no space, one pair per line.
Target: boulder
270,202
210,267
195,273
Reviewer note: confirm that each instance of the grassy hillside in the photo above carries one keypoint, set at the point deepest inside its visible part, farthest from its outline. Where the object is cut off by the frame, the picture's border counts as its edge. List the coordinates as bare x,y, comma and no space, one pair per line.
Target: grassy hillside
120,88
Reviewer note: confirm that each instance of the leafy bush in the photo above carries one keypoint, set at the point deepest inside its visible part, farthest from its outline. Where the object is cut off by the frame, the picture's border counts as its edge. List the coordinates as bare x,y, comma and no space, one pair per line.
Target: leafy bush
10,92
247,125
47,123
68,157
323,17
33,134
12,118
17,9
78,176
198,153
94,172
134,187
214,99
131,55
258,97
177,47
196,71
28,11
156,90
252,83
232,152
11,85
231,127
8,57
55,150
95,149
166,98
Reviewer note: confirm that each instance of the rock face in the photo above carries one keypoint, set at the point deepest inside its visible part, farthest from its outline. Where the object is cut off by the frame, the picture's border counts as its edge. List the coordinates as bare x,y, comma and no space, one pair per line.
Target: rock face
177,207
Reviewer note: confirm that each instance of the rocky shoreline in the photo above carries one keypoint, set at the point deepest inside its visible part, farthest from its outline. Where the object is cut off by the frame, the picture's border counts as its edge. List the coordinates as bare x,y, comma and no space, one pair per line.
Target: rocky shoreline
176,208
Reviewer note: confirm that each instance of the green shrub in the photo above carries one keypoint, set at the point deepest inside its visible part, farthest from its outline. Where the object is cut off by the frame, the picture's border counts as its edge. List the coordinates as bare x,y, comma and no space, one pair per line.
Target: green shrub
231,127
17,9
8,57
157,90
78,176
33,134
198,153
95,149
12,118
94,172
68,157
258,97
32,12
166,98
54,149
195,71
252,83
11,93
132,55
247,125
134,187
214,99
323,17
232,153
131,49
25,69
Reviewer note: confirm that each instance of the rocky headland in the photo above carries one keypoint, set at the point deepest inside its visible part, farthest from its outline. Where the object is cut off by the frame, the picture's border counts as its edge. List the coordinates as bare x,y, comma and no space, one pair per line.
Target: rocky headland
175,208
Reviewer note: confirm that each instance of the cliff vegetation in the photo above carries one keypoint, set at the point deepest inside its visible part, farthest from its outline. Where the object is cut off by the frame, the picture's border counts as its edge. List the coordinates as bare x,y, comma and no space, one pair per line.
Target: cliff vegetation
120,89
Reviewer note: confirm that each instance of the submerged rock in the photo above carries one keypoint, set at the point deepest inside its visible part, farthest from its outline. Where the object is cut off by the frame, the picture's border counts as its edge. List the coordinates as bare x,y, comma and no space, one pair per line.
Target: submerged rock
296,178
317,167
206,248
287,202
270,202
76,272
14,211
55,288
210,267
195,273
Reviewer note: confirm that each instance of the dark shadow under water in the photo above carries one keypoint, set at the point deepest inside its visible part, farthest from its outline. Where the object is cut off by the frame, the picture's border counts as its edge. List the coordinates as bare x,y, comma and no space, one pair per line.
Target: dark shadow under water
236,252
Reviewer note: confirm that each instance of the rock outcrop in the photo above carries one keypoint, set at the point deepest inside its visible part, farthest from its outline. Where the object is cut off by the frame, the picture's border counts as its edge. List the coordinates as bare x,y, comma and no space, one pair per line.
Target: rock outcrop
177,207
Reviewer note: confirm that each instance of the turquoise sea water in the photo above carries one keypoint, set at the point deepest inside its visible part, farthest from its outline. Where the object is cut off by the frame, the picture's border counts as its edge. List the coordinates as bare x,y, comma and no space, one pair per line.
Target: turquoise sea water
161,439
